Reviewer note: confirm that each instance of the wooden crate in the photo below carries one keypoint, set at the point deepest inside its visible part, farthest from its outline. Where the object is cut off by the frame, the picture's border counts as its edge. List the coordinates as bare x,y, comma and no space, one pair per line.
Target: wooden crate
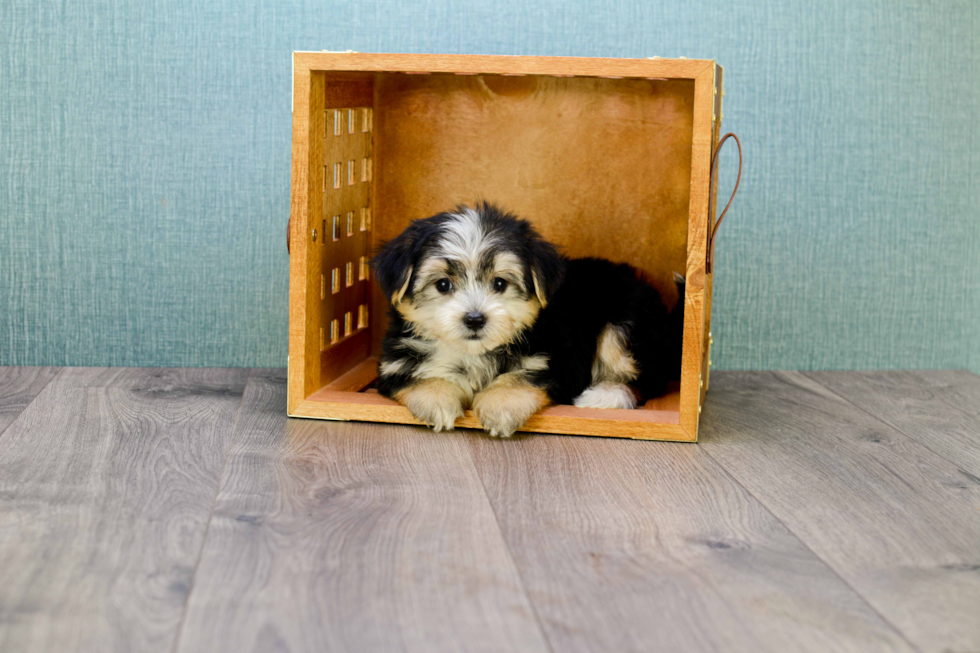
607,157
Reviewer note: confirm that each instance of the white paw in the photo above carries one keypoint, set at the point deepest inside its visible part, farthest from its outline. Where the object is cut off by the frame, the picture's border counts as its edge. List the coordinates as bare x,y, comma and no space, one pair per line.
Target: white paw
499,421
440,415
438,403
502,411
607,395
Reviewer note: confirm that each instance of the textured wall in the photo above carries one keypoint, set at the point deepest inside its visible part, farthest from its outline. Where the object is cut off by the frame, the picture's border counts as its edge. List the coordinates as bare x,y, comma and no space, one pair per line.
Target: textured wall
144,168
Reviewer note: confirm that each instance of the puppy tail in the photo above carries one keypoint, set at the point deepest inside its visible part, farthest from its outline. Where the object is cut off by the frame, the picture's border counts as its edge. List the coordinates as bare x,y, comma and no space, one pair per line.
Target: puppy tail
677,315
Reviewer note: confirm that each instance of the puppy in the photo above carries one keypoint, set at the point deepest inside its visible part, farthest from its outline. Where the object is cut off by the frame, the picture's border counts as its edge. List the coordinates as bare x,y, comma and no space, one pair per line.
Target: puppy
486,313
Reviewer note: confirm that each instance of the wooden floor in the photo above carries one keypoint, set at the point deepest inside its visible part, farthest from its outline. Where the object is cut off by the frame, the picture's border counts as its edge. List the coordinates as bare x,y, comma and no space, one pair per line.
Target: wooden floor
179,510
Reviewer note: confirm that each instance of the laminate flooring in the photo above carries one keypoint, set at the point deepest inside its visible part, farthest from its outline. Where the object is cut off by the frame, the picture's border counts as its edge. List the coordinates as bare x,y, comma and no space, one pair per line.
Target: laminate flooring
180,510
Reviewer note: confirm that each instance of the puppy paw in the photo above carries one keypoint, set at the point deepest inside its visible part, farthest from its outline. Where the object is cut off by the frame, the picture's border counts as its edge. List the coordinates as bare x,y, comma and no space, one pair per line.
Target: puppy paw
504,409
607,395
436,402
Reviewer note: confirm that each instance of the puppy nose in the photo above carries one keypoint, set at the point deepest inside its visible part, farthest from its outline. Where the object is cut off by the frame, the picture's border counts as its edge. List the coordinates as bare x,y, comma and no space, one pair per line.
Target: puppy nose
474,320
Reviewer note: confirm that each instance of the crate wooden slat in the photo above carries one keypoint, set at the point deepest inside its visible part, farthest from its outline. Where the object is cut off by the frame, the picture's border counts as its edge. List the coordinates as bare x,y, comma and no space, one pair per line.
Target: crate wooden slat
608,157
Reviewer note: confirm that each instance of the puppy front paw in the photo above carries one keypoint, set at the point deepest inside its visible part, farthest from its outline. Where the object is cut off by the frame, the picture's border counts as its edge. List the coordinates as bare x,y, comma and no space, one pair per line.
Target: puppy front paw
504,408
436,402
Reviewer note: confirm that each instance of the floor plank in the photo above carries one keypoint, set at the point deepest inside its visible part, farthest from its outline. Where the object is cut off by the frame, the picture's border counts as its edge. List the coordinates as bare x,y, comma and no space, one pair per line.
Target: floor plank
898,522
18,387
648,546
939,409
352,537
106,483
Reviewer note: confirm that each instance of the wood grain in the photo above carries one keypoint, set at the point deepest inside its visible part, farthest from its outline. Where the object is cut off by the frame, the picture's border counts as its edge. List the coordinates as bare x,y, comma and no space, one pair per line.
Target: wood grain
316,177
107,480
304,347
692,356
647,423
352,537
342,399
18,387
827,529
351,144
940,410
601,167
356,379
628,546
719,94
899,523
502,65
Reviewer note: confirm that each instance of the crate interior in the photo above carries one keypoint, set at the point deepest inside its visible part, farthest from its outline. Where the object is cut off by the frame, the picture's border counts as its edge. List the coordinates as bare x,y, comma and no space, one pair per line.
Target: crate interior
601,166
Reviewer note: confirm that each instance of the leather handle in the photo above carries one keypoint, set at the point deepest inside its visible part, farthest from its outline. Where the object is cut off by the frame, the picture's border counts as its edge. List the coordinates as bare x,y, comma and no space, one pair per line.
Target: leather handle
289,231
709,259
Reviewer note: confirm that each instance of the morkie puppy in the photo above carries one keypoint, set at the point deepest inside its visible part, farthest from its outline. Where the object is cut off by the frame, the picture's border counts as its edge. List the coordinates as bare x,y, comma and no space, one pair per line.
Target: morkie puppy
486,313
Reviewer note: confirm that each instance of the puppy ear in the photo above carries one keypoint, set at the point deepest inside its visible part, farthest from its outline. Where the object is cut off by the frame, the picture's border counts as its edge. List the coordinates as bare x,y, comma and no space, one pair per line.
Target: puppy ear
396,297
395,261
392,266
547,267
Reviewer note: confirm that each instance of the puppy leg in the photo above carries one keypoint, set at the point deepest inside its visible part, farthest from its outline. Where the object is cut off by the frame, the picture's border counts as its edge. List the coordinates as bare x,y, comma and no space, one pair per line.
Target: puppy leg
507,403
612,371
436,402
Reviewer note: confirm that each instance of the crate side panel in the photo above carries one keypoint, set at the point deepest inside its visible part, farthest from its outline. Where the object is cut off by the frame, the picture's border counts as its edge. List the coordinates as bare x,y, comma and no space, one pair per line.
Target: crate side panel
297,248
694,308
709,277
346,221
304,362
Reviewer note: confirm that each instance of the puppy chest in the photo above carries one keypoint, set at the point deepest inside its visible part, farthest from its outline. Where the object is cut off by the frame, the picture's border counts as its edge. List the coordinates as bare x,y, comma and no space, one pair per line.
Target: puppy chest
471,372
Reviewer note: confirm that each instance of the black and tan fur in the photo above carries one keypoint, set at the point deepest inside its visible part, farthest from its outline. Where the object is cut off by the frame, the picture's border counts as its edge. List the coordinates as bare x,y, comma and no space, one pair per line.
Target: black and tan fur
486,313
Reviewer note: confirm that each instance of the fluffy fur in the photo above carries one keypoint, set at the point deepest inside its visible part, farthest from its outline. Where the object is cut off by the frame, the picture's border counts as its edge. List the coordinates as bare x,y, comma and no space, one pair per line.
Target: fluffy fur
486,313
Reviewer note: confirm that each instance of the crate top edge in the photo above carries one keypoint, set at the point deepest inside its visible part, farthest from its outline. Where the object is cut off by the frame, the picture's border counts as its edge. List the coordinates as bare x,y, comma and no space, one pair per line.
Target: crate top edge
475,64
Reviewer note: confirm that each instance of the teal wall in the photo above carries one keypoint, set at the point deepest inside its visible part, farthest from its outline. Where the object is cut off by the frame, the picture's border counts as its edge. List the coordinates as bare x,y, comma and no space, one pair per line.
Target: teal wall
144,167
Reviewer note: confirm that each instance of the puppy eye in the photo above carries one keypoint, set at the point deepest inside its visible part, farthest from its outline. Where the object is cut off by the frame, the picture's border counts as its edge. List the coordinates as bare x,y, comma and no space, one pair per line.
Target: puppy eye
444,286
499,285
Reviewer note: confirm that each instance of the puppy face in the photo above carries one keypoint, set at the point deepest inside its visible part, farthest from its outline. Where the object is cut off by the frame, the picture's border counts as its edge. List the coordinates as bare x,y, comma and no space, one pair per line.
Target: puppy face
473,298
473,279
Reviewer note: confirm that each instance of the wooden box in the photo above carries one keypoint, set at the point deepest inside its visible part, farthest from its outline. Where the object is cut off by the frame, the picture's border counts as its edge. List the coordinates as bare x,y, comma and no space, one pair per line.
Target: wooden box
607,157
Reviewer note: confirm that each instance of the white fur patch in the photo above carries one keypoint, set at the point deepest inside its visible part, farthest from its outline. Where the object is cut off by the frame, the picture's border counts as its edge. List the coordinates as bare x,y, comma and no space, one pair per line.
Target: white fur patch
392,367
607,395
536,363
471,372
463,238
